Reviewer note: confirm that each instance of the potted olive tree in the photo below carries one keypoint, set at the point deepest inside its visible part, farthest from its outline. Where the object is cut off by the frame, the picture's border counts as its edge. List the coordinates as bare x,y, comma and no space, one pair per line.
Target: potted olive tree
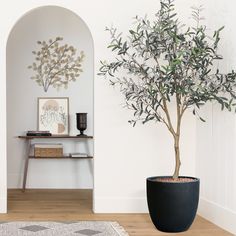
163,62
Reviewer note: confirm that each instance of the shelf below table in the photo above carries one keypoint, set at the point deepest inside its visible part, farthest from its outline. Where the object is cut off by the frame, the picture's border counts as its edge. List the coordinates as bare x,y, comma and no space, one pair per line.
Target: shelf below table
56,136
63,157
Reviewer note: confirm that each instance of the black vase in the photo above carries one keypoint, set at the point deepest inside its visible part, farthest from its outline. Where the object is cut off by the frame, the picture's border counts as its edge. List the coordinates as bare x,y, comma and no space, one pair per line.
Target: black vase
172,206
81,122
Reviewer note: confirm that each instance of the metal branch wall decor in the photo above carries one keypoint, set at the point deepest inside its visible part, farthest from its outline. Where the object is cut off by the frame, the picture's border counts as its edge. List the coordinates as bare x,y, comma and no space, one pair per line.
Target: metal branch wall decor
56,64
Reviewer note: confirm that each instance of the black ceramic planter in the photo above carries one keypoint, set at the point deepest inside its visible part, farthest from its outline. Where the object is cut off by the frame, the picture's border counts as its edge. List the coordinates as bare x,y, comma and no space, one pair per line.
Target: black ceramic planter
172,206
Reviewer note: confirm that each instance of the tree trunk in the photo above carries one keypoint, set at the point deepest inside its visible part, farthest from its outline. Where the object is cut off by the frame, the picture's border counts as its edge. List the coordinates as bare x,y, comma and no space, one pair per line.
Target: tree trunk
177,157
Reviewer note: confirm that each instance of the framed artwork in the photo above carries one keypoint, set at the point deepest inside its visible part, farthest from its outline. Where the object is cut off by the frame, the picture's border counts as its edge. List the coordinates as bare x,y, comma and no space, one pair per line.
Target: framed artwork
53,115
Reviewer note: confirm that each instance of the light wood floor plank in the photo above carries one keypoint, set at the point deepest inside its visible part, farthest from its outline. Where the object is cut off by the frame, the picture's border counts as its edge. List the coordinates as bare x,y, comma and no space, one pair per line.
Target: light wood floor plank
61,205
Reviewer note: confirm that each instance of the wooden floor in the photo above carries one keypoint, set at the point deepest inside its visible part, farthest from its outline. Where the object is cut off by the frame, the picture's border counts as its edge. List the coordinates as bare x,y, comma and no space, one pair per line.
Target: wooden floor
69,205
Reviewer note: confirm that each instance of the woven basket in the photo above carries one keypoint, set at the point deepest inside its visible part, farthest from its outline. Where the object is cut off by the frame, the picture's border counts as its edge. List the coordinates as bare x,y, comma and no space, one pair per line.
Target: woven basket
48,152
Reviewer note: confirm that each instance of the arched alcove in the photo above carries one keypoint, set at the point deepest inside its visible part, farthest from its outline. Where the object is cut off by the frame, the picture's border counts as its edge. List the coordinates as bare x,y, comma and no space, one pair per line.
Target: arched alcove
40,24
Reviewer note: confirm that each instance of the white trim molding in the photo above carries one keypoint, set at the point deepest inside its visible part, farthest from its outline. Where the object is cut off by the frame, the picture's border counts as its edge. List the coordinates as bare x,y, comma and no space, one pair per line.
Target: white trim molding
3,205
221,216
121,205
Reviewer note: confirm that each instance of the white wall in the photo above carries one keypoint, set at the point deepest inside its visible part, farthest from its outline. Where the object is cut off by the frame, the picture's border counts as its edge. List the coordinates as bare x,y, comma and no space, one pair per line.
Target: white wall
124,156
216,152
216,165
22,93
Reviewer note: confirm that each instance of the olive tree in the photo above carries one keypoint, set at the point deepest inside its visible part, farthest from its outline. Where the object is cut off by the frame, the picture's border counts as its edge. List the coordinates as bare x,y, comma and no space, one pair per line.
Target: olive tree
163,62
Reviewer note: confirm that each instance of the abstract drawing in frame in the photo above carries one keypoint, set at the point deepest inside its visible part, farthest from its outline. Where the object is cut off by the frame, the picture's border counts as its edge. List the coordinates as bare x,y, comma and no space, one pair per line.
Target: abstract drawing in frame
53,115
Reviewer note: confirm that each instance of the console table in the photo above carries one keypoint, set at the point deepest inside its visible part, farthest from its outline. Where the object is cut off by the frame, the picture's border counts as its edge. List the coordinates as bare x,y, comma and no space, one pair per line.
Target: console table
28,156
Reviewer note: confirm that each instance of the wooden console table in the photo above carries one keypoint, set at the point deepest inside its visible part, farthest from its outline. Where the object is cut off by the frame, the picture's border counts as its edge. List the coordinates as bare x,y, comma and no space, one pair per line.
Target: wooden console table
28,156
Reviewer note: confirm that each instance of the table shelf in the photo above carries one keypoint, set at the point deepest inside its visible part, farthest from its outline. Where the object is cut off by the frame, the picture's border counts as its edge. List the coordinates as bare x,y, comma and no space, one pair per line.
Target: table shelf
56,137
58,158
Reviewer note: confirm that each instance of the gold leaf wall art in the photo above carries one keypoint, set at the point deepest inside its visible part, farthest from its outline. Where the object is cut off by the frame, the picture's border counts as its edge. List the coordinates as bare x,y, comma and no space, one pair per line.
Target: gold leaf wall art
56,64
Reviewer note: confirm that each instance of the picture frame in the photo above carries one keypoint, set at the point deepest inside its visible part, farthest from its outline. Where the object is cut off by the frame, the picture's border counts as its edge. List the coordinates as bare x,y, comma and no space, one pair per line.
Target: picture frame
53,115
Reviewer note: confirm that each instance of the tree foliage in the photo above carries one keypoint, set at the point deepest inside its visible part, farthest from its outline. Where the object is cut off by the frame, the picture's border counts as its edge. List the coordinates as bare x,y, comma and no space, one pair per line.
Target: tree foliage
56,65
162,62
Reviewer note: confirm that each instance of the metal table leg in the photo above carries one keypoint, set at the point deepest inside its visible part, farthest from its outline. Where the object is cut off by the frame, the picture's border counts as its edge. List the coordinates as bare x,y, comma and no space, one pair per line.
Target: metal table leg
26,166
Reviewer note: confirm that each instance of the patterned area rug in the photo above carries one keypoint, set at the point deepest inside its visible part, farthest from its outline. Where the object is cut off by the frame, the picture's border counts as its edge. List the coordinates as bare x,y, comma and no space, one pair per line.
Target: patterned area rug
76,228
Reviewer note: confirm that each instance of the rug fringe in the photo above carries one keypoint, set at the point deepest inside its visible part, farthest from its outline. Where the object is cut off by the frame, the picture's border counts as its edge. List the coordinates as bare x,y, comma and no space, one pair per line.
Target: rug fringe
119,229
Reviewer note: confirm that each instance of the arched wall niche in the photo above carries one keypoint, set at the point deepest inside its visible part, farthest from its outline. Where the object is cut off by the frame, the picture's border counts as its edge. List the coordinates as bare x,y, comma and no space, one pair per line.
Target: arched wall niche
43,23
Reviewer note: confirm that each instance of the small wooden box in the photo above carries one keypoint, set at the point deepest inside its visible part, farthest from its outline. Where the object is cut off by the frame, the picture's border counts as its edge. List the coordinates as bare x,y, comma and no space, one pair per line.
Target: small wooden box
41,151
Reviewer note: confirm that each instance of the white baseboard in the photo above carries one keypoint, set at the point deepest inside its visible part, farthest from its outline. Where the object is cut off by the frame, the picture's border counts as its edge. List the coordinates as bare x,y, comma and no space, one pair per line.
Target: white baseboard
223,217
49,181
3,205
120,205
